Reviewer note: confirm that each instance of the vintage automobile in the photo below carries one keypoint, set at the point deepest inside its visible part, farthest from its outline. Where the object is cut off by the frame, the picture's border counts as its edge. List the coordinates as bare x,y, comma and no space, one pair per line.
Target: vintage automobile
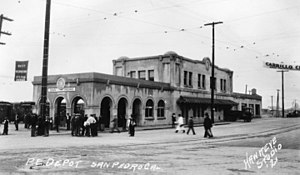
245,115
295,113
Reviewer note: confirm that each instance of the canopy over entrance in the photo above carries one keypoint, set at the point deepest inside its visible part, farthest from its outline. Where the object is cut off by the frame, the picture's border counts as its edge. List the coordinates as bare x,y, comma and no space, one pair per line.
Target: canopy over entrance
197,100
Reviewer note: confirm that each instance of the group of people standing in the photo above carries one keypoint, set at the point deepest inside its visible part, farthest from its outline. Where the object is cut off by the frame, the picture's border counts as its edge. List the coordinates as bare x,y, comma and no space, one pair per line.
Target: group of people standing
84,125
180,125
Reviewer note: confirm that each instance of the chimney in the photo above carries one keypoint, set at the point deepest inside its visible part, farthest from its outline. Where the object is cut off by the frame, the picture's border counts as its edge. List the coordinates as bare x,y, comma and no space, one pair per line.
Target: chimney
253,91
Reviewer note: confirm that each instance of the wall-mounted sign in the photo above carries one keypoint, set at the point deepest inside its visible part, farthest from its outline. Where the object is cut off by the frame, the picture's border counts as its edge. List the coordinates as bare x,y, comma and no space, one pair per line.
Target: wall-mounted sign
21,71
281,66
67,89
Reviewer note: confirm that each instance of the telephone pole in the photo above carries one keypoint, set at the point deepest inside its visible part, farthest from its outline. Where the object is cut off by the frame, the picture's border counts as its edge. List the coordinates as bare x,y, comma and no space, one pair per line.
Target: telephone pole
282,89
1,21
277,104
212,79
272,104
45,62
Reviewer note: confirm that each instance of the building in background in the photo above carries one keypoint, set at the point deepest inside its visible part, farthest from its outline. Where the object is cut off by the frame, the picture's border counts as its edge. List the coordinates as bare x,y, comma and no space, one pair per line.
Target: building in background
151,88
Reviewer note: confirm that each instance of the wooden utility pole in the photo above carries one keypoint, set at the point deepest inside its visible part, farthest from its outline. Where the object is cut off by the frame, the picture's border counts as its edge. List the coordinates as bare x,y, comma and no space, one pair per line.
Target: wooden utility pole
212,79
45,62
282,89
277,104
1,21
272,104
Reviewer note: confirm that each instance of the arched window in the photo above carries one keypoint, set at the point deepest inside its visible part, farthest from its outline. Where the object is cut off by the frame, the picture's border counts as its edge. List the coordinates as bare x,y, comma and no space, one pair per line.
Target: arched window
149,108
161,109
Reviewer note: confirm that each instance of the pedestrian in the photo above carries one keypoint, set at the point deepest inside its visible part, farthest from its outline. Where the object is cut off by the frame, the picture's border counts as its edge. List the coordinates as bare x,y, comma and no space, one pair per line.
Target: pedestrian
191,126
180,125
17,122
51,123
68,118
5,126
207,126
173,120
47,126
124,123
101,123
132,125
33,122
57,122
77,124
73,125
114,124
40,124
82,119
87,128
95,127
92,121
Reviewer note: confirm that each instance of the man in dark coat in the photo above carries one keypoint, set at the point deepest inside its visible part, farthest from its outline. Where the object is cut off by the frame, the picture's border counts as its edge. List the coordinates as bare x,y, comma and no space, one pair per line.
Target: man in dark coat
57,122
73,125
17,122
173,120
33,122
207,126
68,120
5,129
191,126
47,126
132,125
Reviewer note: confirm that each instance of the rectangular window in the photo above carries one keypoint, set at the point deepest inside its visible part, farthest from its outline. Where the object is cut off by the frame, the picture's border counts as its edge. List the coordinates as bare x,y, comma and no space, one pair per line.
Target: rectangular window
224,85
199,81
142,75
203,81
151,75
190,78
185,78
132,74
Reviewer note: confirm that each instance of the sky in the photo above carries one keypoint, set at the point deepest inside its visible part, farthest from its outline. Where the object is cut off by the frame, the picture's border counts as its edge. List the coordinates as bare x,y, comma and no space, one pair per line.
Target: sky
86,35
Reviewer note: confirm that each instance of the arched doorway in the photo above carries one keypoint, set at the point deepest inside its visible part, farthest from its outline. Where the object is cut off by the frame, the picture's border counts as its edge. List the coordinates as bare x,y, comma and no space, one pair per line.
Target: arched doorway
60,111
78,106
122,105
137,110
105,111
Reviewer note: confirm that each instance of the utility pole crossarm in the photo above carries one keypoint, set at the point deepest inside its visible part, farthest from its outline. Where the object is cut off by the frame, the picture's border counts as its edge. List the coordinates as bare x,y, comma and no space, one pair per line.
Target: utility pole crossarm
1,21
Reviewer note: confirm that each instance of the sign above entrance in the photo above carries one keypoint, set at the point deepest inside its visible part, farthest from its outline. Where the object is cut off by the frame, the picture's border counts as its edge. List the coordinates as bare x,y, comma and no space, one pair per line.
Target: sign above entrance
281,66
67,89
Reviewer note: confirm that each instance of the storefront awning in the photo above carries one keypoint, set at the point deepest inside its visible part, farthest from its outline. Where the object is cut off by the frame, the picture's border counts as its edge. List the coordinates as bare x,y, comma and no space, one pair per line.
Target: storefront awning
196,100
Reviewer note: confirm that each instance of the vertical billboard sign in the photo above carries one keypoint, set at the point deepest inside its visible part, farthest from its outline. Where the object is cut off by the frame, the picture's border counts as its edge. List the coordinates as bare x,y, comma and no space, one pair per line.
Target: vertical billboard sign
21,70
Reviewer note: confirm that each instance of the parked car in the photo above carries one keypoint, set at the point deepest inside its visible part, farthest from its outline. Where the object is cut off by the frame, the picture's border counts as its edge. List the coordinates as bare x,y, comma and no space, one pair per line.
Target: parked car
295,113
245,115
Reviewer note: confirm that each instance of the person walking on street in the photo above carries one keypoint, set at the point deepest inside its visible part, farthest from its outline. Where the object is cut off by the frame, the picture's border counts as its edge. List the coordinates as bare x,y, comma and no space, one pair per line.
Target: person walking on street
33,122
5,127
191,126
68,120
73,125
180,126
114,125
132,125
173,120
207,126
17,122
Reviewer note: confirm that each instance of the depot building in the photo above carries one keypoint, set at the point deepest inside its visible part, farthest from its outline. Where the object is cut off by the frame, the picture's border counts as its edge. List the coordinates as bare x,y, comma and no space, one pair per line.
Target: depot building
151,88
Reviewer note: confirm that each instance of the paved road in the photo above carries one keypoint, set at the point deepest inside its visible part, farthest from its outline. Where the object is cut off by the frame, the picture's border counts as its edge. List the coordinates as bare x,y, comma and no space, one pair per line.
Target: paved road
156,151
